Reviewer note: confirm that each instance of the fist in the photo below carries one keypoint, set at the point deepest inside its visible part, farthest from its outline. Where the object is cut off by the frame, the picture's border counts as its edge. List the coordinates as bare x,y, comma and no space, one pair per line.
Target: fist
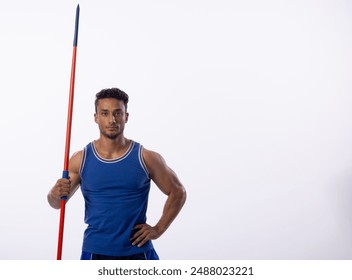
61,188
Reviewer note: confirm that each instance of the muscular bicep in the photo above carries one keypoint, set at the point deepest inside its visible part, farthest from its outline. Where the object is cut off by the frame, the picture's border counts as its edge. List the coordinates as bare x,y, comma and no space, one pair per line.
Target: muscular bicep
74,174
161,174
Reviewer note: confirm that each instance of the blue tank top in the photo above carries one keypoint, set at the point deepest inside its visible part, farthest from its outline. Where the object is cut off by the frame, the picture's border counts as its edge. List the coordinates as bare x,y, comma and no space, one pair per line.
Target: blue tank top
116,199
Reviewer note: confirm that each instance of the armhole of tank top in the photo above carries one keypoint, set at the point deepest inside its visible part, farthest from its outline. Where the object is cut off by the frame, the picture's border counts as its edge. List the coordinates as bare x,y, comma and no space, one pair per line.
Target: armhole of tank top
84,153
141,160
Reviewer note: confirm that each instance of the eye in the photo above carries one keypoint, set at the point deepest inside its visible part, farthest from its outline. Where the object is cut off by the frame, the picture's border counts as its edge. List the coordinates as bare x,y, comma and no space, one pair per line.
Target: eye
118,114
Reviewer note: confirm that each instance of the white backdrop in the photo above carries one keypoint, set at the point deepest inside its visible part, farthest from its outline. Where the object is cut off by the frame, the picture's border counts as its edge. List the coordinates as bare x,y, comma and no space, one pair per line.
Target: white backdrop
248,101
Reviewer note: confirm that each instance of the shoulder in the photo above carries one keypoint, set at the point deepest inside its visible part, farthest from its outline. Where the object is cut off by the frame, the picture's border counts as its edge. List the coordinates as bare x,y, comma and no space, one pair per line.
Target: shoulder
153,160
75,161
77,155
151,156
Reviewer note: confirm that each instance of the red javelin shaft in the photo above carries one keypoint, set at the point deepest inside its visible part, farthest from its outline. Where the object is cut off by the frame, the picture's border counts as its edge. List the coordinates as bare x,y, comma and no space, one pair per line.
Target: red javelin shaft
65,173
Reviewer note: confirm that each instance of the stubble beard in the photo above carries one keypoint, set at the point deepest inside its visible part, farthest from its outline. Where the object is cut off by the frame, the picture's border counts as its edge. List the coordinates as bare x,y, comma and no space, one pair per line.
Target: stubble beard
111,135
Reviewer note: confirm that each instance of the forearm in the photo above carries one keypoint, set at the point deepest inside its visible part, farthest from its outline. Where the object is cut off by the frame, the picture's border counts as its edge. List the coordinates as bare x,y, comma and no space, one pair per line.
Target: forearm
173,206
54,202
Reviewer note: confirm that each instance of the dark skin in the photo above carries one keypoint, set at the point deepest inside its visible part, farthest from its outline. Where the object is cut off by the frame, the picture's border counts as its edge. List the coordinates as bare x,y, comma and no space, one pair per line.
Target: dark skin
111,117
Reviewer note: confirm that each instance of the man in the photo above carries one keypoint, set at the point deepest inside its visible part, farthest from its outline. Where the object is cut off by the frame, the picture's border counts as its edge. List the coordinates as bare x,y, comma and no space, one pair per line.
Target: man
114,174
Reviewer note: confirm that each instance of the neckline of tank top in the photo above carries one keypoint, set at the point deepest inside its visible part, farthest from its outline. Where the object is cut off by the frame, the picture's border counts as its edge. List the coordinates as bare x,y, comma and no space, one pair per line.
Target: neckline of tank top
99,157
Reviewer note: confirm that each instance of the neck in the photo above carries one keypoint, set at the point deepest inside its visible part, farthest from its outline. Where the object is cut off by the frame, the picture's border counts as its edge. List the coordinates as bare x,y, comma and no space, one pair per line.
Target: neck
112,148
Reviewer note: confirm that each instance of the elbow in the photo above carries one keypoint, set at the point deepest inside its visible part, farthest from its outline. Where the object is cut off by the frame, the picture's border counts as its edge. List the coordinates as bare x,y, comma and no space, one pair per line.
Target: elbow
182,195
53,203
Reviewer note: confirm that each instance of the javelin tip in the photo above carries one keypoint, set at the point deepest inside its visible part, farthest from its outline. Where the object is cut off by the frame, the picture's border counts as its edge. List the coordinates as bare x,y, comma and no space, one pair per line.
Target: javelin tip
75,39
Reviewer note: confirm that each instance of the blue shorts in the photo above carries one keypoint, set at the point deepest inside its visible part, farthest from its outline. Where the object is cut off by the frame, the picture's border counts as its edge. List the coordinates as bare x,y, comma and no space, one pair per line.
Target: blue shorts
148,255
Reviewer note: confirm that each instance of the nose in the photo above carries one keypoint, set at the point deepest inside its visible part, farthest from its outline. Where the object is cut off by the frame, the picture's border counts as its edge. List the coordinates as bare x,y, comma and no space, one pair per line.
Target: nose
112,118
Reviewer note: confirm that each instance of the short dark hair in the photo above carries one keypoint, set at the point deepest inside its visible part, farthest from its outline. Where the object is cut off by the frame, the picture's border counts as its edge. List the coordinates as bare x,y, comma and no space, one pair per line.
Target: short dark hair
111,93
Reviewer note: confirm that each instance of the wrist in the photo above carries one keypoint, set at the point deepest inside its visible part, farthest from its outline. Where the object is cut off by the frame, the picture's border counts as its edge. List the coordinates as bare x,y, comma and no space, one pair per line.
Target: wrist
159,229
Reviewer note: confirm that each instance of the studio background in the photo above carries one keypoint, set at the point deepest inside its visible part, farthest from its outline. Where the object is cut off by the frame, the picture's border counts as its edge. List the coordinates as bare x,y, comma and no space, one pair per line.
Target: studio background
249,102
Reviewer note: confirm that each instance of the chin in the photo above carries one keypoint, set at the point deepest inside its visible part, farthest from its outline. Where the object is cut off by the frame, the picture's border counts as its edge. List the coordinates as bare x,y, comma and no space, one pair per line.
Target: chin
112,137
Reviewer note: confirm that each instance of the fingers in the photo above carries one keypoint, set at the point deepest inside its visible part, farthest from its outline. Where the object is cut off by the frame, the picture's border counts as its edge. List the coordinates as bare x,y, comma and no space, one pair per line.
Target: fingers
62,188
142,234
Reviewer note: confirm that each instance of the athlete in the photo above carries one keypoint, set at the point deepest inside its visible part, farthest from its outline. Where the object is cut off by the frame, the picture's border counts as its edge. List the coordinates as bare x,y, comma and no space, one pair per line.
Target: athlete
114,174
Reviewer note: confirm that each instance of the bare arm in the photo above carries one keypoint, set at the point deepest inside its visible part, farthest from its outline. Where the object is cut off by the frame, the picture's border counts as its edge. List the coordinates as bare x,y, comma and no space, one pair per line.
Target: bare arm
167,181
66,187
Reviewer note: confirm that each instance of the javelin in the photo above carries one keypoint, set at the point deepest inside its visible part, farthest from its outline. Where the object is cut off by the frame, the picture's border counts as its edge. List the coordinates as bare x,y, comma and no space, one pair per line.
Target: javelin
65,173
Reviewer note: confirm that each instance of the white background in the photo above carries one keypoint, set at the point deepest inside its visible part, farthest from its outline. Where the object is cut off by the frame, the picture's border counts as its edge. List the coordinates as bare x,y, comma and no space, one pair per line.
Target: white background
248,101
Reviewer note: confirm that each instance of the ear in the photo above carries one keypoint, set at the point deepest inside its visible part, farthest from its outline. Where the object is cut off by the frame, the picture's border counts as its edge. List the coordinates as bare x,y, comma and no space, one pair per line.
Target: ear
96,117
127,115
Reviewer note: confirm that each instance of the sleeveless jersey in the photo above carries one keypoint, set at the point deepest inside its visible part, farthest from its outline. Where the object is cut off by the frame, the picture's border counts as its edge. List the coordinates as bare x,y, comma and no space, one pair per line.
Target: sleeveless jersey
116,198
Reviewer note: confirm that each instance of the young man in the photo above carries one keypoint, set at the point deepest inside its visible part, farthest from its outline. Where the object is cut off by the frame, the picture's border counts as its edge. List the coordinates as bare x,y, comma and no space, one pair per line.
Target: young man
114,174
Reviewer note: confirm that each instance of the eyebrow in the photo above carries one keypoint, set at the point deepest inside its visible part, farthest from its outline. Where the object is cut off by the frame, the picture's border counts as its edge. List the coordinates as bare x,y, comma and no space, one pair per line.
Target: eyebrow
107,110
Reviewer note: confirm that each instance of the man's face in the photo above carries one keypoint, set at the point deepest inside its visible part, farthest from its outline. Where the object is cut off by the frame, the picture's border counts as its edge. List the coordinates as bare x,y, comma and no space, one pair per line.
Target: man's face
111,117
